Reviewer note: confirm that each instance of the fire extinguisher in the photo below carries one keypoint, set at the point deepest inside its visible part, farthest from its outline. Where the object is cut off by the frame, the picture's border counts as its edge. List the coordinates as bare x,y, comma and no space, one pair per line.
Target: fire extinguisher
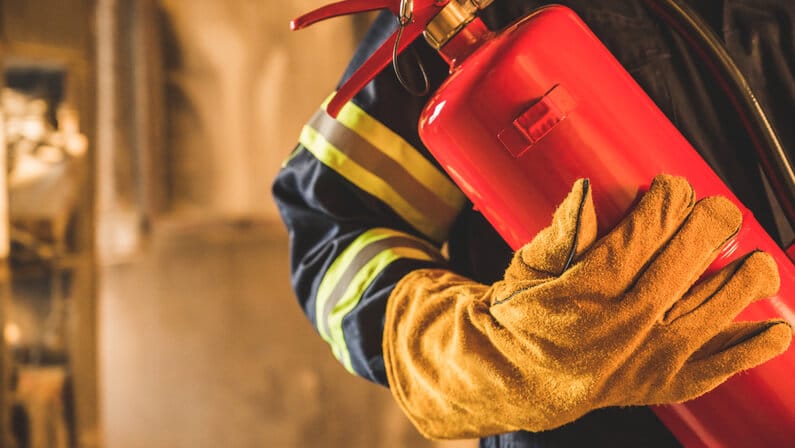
519,120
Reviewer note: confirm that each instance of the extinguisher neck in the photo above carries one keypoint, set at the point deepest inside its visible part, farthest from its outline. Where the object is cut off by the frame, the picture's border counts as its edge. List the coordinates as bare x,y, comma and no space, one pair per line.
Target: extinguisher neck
463,43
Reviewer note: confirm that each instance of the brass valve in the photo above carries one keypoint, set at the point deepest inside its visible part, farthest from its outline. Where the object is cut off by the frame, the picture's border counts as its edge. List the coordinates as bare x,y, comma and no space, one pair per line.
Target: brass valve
451,19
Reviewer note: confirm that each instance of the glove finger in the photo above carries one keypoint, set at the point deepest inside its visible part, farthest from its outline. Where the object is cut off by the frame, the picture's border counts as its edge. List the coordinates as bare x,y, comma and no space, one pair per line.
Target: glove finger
712,222
572,231
715,302
741,346
611,266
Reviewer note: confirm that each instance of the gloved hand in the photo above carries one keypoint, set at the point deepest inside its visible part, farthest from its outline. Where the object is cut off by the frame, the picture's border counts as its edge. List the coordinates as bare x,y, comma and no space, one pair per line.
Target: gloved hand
578,325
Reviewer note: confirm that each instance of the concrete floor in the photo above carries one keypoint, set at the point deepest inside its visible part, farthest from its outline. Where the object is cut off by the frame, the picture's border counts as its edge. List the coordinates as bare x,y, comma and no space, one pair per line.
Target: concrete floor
203,345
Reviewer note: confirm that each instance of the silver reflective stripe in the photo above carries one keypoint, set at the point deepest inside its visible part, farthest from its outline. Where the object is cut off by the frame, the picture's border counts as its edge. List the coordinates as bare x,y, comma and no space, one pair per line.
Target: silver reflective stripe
383,164
352,273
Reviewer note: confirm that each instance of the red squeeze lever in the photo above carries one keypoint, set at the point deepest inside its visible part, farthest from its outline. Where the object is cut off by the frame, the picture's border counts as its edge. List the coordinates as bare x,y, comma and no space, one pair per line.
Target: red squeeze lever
413,15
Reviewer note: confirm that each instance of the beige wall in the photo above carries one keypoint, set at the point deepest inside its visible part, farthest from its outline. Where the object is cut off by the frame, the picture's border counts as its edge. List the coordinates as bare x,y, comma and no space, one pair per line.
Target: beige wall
240,85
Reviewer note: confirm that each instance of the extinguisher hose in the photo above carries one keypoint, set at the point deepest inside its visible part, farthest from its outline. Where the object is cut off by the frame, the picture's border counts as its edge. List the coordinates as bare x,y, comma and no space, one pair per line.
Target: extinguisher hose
775,162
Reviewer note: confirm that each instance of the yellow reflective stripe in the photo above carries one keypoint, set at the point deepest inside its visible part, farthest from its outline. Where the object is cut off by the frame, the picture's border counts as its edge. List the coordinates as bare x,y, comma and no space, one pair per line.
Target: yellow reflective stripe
338,268
390,171
354,293
395,147
353,271
335,159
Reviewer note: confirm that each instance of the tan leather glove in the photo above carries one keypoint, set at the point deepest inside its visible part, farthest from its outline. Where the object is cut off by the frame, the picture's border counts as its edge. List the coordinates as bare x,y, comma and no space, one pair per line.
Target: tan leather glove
577,325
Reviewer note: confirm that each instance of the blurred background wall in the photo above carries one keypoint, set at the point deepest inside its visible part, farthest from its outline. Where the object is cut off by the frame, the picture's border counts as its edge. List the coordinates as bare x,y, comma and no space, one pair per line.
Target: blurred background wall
170,279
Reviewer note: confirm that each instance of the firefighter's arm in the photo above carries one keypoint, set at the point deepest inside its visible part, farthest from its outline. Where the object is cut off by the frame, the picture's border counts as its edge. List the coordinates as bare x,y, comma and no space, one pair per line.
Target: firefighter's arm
579,324
364,206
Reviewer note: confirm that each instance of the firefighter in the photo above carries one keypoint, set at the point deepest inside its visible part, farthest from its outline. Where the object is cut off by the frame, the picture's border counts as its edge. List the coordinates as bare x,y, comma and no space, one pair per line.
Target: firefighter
414,290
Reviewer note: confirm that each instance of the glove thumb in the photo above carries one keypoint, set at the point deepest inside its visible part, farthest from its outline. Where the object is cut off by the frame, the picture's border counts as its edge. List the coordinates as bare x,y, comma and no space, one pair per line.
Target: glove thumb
553,249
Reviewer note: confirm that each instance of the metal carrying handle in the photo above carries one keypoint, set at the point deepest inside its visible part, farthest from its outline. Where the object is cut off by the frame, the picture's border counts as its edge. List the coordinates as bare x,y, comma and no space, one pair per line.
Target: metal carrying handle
414,16
342,8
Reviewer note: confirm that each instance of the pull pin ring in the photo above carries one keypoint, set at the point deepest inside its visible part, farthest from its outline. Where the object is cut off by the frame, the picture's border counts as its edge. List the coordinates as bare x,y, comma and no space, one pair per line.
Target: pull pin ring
406,17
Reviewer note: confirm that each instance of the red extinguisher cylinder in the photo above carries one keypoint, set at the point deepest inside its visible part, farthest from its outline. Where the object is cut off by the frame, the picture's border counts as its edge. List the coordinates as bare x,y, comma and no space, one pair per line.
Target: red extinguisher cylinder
530,109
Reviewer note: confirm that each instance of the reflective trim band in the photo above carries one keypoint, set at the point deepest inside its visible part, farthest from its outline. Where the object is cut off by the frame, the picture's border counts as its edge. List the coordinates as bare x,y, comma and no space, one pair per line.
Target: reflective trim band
362,177
398,175
395,147
352,273
383,164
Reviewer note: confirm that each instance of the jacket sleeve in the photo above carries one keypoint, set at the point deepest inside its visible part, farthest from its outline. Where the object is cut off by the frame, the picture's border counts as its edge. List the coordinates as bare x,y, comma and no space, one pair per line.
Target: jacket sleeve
364,205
